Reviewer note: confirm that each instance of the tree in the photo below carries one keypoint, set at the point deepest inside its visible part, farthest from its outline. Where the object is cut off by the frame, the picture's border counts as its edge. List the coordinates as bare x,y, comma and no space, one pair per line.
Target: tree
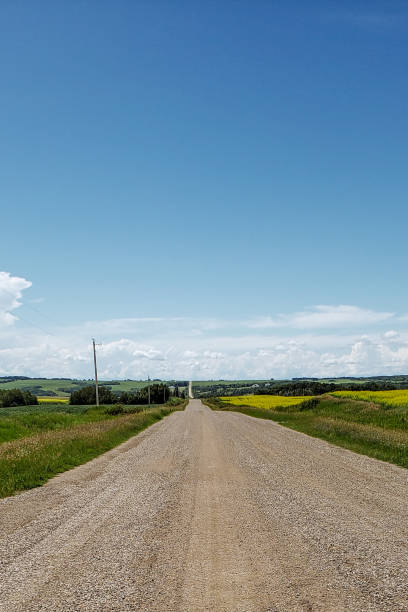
16,397
87,396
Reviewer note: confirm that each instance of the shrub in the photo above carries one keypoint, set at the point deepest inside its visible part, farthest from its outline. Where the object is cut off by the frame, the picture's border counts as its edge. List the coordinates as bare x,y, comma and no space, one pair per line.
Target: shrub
133,409
309,404
114,409
174,401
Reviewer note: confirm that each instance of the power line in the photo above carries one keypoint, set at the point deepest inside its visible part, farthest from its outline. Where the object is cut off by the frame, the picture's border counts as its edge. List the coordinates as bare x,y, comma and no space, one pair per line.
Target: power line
33,309
31,324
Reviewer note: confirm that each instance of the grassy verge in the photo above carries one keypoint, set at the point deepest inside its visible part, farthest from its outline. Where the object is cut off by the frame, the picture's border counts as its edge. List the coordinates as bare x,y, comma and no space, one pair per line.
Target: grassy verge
56,442
363,427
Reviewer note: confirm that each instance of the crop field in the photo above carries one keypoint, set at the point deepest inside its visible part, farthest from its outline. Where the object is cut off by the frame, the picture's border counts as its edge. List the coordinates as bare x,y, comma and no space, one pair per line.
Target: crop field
265,402
392,399
53,400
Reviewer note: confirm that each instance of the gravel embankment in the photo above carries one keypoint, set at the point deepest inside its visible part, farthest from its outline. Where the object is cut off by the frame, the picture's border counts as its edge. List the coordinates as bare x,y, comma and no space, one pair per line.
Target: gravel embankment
211,511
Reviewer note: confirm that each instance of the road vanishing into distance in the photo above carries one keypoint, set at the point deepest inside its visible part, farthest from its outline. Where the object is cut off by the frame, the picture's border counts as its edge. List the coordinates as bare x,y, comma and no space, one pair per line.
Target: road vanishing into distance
211,511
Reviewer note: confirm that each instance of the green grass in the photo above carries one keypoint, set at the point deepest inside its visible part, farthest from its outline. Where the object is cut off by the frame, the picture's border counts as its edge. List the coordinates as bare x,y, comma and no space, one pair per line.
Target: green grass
17,411
38,444
46,385
366,428
23,421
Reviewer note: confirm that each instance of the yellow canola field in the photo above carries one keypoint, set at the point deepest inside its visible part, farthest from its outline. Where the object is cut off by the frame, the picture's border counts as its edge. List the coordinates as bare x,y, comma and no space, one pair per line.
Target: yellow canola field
53,400
267,402
389,398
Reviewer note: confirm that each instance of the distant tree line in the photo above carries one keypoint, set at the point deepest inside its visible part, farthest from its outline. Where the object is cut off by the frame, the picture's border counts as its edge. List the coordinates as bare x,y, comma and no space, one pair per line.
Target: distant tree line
313,387
16,397
74,387
159,394
38,390
227,388
6,379
298,387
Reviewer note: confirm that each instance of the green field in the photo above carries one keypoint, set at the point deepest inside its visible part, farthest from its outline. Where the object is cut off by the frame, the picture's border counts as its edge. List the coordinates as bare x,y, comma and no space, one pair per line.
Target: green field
366,427
24,421
60,387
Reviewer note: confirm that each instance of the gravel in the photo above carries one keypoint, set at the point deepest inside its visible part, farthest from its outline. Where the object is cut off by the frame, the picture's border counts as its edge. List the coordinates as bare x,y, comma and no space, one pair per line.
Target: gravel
211,511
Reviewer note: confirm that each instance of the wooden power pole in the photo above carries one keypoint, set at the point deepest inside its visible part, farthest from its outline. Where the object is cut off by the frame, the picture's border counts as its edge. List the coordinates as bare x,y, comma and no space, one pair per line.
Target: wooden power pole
96,373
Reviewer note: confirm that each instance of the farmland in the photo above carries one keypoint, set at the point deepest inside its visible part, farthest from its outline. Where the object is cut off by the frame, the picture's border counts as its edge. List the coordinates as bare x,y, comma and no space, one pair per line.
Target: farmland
295,386
265,402
390,399
377,429
62,387
52,400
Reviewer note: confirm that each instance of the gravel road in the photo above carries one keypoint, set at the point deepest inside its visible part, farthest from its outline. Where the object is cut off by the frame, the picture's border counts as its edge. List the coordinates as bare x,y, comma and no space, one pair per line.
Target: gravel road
211,511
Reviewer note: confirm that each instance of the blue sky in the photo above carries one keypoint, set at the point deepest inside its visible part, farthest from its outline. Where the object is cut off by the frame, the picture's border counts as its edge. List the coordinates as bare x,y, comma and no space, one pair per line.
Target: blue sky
181,176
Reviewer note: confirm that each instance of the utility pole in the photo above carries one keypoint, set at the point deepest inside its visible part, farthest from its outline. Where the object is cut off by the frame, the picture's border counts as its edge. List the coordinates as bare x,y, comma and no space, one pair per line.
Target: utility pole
164,393
96,373
148,378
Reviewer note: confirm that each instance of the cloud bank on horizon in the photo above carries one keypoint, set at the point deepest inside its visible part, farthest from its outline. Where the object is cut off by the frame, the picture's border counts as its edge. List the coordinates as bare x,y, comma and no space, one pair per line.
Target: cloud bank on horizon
319,341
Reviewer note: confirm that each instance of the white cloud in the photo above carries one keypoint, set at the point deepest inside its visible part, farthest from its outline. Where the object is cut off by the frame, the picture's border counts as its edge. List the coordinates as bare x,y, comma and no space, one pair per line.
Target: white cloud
391,334
11,288
241,355
319,341
323,316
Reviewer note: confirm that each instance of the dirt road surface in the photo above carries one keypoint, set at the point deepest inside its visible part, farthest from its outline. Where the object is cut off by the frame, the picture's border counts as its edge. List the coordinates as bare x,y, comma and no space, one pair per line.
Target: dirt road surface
211,511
